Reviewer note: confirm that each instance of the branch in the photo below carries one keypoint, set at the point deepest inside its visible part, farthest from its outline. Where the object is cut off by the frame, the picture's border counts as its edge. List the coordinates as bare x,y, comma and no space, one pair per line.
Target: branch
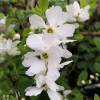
91,33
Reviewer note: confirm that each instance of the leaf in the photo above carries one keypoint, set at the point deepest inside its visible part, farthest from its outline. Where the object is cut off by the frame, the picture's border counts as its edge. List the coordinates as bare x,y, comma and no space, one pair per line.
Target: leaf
1,15
43,5
96,97
97,67
83,76
93,6
97,42
76,95
83,3
79,37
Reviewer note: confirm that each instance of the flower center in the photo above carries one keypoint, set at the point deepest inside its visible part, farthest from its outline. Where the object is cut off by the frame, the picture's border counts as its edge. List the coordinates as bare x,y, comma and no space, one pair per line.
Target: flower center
45,55
50,30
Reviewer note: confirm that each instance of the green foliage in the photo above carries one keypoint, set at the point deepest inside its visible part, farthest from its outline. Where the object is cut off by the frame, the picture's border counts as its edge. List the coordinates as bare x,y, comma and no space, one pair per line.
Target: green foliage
97,42
83,76
97,66
41,7
96,97
83,3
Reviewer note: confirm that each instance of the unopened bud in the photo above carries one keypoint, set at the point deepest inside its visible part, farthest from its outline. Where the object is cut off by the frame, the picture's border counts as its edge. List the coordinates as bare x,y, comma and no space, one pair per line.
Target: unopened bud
97,74
83,82
16,37
90,82
92,76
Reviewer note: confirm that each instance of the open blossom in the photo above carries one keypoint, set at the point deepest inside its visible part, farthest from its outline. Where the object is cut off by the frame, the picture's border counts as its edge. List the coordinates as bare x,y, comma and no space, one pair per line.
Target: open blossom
2,21
53,95
49,52
7,46
48,84
55,24
75,13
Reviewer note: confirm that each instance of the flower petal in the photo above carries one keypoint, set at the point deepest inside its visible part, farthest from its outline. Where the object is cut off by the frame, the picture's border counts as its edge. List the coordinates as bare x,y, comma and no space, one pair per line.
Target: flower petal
40,80
52,85
35,42
54,95
33,91
76,7
29,58
38,66
65,30
36,22
66,53
54,59
55,16
50,40
63,64
67,92
53,74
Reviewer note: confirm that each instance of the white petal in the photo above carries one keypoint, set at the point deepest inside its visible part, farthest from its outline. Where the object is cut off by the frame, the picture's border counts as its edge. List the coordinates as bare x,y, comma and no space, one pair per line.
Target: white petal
53,74
66,53
35,42
40,80
67,92
33,91
76,7
65,63
84,15
50,40
67,41
54,95
52,85
36,22
60,88
29,58
38,66
55,16
66,30
54,59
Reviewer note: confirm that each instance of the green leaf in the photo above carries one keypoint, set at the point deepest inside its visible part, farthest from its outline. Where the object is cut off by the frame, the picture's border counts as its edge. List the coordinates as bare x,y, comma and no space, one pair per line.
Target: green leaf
93,4
43,5
76,95
97,67
97,42
79,37
83,3
83,76
1,15
96,97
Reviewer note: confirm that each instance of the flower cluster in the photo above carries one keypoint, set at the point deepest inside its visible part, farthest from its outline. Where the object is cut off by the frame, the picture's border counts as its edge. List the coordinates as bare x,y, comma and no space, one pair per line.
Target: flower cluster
8,47
47,40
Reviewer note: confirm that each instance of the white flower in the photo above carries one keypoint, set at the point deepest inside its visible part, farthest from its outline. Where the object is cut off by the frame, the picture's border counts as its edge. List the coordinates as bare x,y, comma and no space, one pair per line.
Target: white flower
11,47
2,21
75,13
53,95
55,24
16,37
48,84
49,52
8,47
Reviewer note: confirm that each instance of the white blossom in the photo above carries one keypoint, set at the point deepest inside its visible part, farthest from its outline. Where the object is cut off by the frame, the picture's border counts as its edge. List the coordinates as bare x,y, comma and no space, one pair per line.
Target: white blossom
75,13
55,24
2,21
49,52
7,46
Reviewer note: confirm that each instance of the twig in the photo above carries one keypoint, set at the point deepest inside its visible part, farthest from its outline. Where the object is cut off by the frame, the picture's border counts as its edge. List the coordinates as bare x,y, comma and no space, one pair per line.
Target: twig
91,33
